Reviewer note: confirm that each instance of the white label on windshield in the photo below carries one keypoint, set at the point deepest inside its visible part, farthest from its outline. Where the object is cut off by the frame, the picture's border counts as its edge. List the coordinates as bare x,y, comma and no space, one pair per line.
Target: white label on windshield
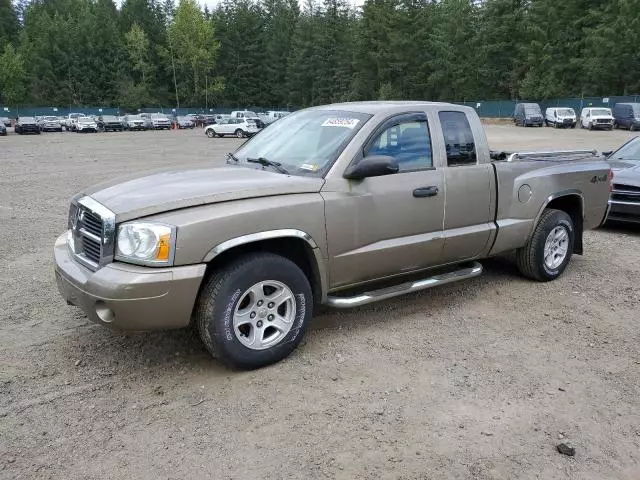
341,122
309,166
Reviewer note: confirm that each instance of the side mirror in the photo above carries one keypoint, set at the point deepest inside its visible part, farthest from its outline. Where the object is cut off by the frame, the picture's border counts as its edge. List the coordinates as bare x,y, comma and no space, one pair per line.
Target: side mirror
372,166
606,154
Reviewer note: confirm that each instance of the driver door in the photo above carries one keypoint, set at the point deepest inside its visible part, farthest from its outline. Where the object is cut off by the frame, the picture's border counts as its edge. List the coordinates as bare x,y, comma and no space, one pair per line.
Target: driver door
393,224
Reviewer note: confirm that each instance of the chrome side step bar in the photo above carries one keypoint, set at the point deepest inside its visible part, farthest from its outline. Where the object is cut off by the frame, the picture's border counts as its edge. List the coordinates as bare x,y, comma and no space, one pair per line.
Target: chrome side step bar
471,271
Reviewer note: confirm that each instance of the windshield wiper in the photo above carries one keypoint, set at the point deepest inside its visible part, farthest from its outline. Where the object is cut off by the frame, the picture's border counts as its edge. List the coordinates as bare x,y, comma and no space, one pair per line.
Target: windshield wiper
231,156
268,163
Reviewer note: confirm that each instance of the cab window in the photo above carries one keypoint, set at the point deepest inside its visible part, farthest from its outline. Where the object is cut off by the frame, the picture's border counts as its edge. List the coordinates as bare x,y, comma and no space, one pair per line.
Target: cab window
407,142
458,139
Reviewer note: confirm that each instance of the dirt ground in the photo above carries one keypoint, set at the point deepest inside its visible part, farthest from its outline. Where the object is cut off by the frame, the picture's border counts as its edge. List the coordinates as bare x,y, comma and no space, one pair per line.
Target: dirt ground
474,380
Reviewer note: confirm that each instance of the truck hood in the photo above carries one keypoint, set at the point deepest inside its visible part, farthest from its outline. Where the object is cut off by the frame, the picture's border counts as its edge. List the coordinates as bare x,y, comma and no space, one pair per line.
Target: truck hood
140,196
626,172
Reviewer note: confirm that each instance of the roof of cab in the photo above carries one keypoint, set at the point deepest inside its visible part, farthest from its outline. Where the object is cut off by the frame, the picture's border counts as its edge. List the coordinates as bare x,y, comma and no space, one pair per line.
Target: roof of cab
374,107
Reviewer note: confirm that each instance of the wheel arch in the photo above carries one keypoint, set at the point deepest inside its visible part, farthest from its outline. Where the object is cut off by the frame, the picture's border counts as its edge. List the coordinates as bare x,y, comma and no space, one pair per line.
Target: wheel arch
572,203
296,245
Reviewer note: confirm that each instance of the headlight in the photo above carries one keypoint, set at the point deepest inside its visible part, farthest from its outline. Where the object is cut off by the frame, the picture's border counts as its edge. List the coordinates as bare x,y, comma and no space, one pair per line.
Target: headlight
146,243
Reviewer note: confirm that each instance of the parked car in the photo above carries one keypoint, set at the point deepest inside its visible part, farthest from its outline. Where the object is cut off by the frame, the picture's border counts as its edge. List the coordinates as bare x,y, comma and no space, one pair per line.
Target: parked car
3,130
85,124
624,204
272,115
184,122
70,122
6,121
596,118
627,115
560,117
248,115
50,124
134,122
528,114
204,120
109,123
239,127
319,209
27,125
156,121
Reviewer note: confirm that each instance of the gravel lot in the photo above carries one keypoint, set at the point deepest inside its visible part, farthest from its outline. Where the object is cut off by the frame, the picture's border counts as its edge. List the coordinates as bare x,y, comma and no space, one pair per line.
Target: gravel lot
474,380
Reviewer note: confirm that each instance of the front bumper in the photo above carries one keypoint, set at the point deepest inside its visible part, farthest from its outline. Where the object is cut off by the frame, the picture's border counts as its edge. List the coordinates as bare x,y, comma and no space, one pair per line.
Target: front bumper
128,297
620,211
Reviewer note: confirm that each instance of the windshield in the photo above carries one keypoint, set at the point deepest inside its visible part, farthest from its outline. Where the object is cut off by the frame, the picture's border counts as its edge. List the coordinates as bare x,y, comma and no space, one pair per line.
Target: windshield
158,116
601,111
27,119
51,119
566,112
85,119
134,117
532,109
109,118
308,141
629,151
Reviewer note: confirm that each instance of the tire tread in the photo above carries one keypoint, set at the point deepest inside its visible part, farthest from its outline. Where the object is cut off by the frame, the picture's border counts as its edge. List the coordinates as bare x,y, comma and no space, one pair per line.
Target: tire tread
527,256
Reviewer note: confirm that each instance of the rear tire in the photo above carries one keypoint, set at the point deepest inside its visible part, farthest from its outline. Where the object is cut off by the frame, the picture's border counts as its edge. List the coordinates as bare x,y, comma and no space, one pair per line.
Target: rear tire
542,257
223,318
239,133
211,133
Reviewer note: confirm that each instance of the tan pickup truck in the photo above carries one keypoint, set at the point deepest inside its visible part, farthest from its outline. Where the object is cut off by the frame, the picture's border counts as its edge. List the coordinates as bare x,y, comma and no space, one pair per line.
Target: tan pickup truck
339,205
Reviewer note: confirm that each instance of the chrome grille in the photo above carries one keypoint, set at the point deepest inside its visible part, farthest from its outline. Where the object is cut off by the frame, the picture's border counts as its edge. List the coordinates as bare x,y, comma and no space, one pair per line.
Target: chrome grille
92,223
92,228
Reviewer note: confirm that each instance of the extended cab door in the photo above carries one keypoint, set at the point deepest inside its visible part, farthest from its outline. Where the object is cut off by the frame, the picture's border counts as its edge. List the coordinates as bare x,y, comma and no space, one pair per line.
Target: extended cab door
470,196
392,224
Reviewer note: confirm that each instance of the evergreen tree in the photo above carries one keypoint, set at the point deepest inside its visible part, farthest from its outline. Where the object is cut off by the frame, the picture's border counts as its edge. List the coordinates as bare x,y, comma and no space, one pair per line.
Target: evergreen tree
12,76
9,26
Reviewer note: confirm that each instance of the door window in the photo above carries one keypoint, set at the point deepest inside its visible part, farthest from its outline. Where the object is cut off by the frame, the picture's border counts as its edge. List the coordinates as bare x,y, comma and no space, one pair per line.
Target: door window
407,142
458,138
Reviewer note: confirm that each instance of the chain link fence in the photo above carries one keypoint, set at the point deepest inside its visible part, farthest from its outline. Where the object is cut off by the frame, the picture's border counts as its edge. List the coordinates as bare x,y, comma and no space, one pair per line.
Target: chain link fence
485,108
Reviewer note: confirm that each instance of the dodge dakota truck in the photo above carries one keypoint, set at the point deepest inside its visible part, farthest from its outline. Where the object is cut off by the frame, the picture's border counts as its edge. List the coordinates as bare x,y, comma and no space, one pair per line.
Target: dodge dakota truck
338,205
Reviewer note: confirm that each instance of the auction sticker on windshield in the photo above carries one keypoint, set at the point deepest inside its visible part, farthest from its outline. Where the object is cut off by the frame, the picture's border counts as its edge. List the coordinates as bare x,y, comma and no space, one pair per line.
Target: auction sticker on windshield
341,122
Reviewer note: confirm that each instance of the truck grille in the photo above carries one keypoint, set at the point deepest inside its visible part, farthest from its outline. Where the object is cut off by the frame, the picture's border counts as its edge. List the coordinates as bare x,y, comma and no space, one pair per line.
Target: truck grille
92,229
603,120
625,193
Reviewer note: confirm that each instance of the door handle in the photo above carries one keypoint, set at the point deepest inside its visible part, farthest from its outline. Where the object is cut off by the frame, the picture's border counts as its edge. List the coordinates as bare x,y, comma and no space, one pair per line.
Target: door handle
425,192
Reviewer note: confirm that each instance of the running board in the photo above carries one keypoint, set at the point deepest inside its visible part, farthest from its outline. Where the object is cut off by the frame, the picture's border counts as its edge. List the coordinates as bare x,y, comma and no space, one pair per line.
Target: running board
471,271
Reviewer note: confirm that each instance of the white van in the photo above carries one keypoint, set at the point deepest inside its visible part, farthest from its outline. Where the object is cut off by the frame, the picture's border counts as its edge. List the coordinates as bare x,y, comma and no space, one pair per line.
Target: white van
596,117
560,117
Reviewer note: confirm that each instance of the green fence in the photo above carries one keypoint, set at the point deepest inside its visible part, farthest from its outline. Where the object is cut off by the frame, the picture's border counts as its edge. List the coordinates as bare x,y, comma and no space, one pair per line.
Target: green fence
13,112
485,108
505,108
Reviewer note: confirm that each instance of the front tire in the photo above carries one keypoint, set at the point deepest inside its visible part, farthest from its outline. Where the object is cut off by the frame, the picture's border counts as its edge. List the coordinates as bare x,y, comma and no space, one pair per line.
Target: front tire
255,311
547,253
211,133
239,133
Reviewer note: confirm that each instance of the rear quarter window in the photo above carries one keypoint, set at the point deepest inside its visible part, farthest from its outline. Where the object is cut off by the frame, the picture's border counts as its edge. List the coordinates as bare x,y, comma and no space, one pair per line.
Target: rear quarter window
458,138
